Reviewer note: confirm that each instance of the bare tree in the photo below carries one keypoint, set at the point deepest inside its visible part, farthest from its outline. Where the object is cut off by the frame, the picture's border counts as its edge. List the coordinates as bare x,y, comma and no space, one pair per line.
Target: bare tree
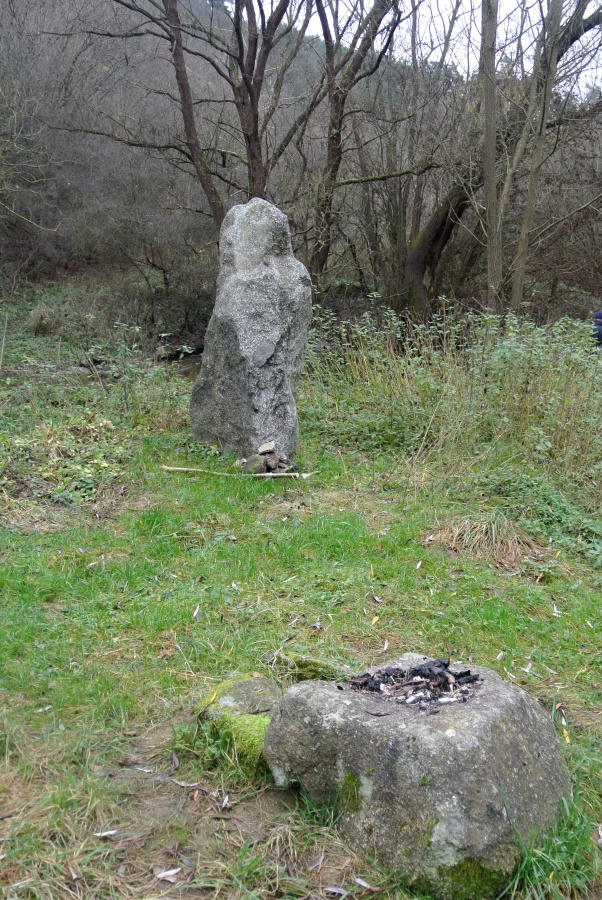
349,59
248,47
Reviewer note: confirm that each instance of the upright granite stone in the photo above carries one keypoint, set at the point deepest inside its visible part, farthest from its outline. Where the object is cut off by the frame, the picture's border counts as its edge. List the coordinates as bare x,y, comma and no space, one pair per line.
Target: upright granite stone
256,340
442,797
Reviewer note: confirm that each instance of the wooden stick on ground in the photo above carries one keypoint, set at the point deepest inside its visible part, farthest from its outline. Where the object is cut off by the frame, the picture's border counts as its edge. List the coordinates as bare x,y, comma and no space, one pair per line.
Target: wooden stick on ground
237,475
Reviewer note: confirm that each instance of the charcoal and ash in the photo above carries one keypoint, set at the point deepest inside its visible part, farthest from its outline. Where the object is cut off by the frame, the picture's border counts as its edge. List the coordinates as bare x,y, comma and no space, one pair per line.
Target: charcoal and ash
430,682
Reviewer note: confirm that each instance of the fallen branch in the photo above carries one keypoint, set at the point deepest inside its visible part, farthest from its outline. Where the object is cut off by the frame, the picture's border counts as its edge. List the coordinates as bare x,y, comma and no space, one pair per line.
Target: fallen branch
237,475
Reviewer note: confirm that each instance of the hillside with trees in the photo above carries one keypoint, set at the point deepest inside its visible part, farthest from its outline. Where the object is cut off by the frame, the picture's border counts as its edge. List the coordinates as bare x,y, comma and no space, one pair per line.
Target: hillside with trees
419,152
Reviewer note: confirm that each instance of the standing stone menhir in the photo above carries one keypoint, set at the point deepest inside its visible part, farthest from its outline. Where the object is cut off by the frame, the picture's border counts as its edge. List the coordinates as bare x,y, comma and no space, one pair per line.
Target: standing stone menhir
257,337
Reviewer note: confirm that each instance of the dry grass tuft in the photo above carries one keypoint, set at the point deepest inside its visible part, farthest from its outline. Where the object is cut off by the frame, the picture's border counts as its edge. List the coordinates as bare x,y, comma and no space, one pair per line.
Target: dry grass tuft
44,320
490,536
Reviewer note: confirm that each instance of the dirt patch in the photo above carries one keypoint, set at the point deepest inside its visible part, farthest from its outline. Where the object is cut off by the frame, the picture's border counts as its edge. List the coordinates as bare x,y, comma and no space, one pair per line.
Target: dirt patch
374,509
163,830
29,517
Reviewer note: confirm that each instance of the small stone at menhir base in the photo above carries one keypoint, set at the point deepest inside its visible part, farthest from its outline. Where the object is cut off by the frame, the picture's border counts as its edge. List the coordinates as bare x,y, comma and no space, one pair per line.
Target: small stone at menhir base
272,461
267,448
440,797
255,465
257,338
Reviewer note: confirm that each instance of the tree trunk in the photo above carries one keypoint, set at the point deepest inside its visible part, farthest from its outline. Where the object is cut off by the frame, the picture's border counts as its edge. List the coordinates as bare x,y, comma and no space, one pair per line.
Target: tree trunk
198,160
340,80
550,64
324,200
489,12
425,251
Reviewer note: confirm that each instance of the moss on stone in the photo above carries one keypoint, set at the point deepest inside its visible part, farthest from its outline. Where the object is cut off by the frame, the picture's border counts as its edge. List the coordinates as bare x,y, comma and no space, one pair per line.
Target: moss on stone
430,827
216,692
246,733
349,793
246,692
468,880
306,668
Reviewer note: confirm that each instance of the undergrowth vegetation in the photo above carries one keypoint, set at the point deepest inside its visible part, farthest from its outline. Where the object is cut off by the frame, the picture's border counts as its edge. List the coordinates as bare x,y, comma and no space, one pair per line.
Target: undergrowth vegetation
452,510
508,408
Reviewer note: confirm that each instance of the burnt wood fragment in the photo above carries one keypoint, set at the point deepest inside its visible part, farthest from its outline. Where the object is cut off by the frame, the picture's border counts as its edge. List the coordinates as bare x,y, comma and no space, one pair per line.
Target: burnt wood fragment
421,684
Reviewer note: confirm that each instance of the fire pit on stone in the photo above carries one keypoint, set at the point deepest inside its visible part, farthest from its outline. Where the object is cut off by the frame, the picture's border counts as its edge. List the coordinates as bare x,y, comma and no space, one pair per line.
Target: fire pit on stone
448,799
430,682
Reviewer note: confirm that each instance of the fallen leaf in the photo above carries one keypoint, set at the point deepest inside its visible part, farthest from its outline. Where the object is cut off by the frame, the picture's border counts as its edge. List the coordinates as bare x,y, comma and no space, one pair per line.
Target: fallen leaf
364,884
226,802
168,875
375,620
418,564
566,735
175,765
315,863
186,784
386,647
501,654
197,614
111,833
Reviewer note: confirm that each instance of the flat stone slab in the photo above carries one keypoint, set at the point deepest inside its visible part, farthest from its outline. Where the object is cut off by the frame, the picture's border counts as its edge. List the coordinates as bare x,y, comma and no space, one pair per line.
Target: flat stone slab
440,796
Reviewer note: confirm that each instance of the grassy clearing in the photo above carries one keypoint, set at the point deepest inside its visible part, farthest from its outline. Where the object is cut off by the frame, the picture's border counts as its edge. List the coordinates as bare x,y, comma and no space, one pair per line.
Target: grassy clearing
105,558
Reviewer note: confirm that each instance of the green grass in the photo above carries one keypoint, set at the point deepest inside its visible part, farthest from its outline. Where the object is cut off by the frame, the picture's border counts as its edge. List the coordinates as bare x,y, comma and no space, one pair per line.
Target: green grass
103,567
